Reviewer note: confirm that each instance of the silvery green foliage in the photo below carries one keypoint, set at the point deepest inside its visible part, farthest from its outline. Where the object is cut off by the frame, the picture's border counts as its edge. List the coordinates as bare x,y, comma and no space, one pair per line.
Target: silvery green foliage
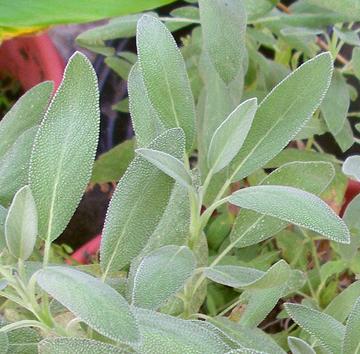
64,148
21,224
351,167
299,346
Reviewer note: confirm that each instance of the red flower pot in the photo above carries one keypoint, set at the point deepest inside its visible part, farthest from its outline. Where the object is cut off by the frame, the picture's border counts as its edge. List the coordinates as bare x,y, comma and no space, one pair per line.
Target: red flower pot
31,60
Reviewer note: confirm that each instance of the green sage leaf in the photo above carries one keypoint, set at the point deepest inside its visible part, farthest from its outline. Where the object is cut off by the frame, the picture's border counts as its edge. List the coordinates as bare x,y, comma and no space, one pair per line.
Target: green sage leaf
161,274
294,206
351,167
230,135
64,148
21,225
299,346
352,331
95,303
165,77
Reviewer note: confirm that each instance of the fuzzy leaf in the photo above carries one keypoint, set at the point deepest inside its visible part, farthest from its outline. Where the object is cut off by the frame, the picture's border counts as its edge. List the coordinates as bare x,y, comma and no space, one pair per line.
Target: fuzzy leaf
328,331
3,213
166,334
4,343
351,167
350,8
170,165
161,274
165,77
64,148
294,206
230,135
336,103
251,227
95,303
137,205
26,113
223,24
351,343
146,122
282,114
21,225
299,346
67,345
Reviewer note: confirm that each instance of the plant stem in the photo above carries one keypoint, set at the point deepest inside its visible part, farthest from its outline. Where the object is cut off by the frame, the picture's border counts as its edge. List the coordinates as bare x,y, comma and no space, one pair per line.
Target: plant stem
46,253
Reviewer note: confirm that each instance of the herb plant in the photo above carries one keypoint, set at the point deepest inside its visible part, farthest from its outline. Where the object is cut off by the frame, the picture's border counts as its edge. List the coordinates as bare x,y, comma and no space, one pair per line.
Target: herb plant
180,270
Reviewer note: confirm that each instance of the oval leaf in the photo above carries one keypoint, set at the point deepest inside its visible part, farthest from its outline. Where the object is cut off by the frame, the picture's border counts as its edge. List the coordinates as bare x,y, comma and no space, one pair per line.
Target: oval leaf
161,274
170,165
230,135
299,346
165,77
95,303
64,148
294,206
351,167
21,225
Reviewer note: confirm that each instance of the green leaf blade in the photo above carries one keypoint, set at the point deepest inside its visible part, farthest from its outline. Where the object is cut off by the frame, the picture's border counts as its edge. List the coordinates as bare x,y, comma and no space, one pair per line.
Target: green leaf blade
352,330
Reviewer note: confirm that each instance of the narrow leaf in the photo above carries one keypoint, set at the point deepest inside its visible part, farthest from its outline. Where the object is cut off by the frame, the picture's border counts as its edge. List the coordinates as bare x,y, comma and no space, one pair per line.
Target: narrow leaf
328,331
164,74
230,135
67,345
294,206
251,227
223,24
299,346
137,205
21,227
146,121
351,167
351,343
95,303
64,148
161,274
168,164
281,115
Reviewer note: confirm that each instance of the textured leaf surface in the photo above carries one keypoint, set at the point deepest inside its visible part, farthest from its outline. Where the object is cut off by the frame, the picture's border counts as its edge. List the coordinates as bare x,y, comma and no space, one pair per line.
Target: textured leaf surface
294,206
111,165
64,148
95,303
170,165
166,334
27,112
137,205
77,345
21,225
164,74
299,346
328,331
350,8
351,167
146,121
251,227
3,213
283,113
352,331
230,135
224,25
161,274
4,343
336,103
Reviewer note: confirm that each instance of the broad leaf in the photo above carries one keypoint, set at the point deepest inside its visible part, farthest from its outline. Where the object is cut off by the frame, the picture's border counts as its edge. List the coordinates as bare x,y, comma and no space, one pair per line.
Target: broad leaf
146,122
64,148
170,165
95,303
166,334
328,331
21,225
4,343
251,227
230,135
299,346
67,345
280,116
352,331
350,8
351,167
164,74
294,206
161,274
223,24
336,103
137,205
26,113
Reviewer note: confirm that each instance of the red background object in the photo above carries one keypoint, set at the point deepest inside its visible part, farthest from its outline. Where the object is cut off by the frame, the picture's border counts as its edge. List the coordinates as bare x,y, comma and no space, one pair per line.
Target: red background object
31,60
